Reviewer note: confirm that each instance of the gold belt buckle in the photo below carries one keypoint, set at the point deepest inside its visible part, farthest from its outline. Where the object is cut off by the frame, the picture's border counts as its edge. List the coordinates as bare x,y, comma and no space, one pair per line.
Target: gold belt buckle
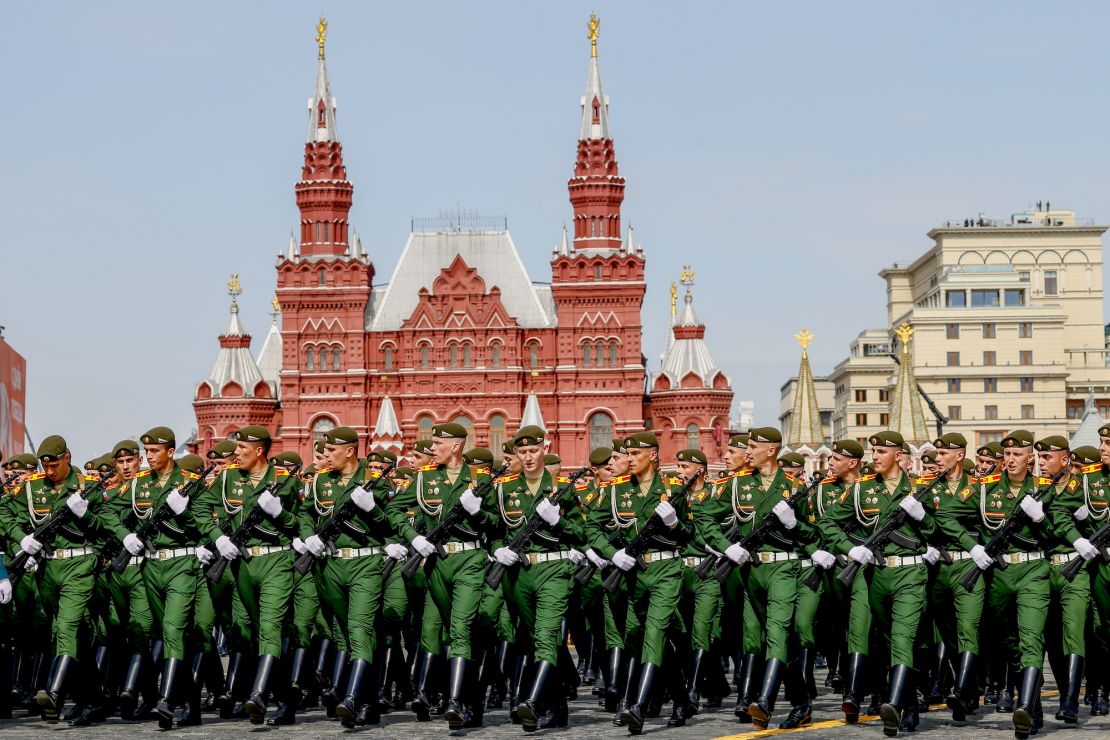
892,561
1014,558
161,554
648,557
533,558
449,548
344,553
59,554
766,557
256,551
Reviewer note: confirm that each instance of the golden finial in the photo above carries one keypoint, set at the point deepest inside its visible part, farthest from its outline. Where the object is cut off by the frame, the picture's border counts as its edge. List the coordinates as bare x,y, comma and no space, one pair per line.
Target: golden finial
804,338
234,287
276,305
687,276
593,24
904,332
674,299
321,34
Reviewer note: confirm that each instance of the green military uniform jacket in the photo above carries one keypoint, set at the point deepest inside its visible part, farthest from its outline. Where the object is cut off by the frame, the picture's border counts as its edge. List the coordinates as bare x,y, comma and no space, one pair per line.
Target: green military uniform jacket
517,505
138,498
998,503
602,534
233,496
632,508
720,508
41,498
696,546
960,521
1070,494
432,495
328,494
748,504
865,506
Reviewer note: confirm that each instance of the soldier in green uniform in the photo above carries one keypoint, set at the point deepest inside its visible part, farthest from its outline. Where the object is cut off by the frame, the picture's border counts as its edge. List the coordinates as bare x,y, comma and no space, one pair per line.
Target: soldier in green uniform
264,583
894,592
537,595
457,575
1097,487
591,595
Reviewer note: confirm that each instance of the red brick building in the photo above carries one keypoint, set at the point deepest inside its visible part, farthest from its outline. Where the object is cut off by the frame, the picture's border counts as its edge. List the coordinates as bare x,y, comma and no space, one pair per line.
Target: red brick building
460,332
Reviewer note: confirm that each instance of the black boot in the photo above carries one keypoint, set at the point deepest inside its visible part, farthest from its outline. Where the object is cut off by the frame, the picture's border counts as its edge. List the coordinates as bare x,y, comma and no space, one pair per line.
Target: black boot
347,709
213,681
422,703
51,698
801,710
1006,697
853,688
1069,704
517,686
693,679
678,686
911,713
172,670
891,710
764,705
329,697
964,688
529,709
1029,694
504,665
287,711
614,685
129,689
256,705
190,715
746,687
455,714
631,691
226,700
633,716
939,670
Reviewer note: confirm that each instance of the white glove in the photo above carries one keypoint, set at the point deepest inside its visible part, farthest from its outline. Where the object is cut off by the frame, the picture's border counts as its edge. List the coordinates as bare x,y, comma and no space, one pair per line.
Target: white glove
1081,513
598,561
5,591
396,552
298,546
785,514
315,545
1086,550
666,512
981,558
177,502
576,557
422,546
363,499
861,555
737,554
824,559
204,555
471,504
133,544
548,511
270,504
30,545
913,507
227,548
505,556
77,505
1033,508
623,561
931,556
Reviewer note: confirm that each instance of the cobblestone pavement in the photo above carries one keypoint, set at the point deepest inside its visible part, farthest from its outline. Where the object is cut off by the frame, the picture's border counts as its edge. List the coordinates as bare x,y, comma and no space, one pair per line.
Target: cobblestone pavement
588,721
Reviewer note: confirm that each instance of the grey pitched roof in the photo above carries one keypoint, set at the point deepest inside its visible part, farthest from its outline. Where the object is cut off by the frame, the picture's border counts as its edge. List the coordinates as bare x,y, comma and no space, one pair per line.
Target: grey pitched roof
687,355
234,363
328,131
269,359
1087,433
386,425
532,415
591,130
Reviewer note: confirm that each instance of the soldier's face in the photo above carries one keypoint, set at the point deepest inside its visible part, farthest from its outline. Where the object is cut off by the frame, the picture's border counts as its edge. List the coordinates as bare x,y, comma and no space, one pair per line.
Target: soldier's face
640,460
159,457
1104,449
984,464
56,470
248,455
443,450
1017,461
1053,461
128,465
339,455
320,459
736,458
761,453
531,459
618,464
514,463
886,459
602,473
793,471
375,466
950,459
842,465
688,469
420,459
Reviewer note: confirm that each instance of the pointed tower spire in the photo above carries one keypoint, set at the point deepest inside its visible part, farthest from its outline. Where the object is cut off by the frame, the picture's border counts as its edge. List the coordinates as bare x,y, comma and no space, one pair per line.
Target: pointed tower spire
532,415
269,357
805,417
906,414
294,252
564,246
597,189
387,432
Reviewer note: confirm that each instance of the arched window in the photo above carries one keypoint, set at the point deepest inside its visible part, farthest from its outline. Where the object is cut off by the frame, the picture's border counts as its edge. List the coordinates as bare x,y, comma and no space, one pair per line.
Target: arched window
599,355
322,277
423,355
692,437
322,363
424,427
387,358
597,272
336,358
321,425
309,360
467,424
613,354
533,355
586,355
496,433
454,355
601,430
495,355
466,355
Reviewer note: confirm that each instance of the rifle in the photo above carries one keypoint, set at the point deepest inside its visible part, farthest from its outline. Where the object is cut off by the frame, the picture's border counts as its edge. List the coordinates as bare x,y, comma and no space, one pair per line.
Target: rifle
586,572
215,569
1001,536
1100,539
887,531
48,530
150,526
330,530
646,537
759,532
523,538
447,522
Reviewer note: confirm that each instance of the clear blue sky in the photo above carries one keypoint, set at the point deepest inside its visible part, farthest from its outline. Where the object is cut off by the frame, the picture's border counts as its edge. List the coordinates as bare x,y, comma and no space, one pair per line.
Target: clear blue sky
788,150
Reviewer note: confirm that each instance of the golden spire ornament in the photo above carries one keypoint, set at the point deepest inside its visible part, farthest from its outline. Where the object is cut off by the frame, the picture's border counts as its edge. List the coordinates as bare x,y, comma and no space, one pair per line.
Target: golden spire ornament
234,287
593,24
321,34
804,338
674,300
904,332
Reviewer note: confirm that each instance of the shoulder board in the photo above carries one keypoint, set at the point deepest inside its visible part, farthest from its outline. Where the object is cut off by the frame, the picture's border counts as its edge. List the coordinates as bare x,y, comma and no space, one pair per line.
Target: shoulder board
321,471
579,487
1043,481
36,476
965,494
404,485
281,473
427,468
742,473
375,474
231,466
92,478
620,479
673,481
1092,468
507,478
994,478
561,479
1073,484
789,477
142,474
189,475
833,479
924,480
701,495
865,478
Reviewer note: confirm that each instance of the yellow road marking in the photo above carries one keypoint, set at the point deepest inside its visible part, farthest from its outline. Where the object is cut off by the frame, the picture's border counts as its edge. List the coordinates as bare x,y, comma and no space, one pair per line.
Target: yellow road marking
863,719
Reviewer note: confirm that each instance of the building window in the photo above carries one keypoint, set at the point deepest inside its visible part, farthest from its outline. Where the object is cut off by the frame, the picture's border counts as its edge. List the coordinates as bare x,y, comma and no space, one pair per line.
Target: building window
984,299
309,360
496,433
599,355
322,277
613,354
990,412
336,355
989,357
322,362
453,354
1025,330
884,395
1026,385
586,356
861,420
693,437
954,413
884,419
320,426
534,356
423,355
861,396
1074,412
601,430
1025,357
989,436
597,272
495,355
1027,411
988,330
990,385
1050,282
468,425
952,331
953,359
466,355
953,385
1015,297
955,299
424,427
387,358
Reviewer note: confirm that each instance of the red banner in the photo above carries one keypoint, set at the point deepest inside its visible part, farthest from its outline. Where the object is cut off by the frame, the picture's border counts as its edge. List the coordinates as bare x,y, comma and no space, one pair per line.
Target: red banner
13,400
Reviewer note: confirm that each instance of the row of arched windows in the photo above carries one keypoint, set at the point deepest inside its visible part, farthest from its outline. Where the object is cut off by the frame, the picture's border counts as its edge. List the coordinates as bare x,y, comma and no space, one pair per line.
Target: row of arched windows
459,355
323,359
599,354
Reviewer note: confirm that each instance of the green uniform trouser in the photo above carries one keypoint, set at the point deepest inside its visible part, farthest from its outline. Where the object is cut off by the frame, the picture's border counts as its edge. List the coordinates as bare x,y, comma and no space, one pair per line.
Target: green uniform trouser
172,587
202,636
1021,593
132,607
431,627
537,597
1072,599
455,583
491,608
228,611
616,615
859,616
34,625
956,612
395,602
897,599
732,608
772,590
805,611
591,597
265,587
66,587
653,596
699,605
353,589
306,605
